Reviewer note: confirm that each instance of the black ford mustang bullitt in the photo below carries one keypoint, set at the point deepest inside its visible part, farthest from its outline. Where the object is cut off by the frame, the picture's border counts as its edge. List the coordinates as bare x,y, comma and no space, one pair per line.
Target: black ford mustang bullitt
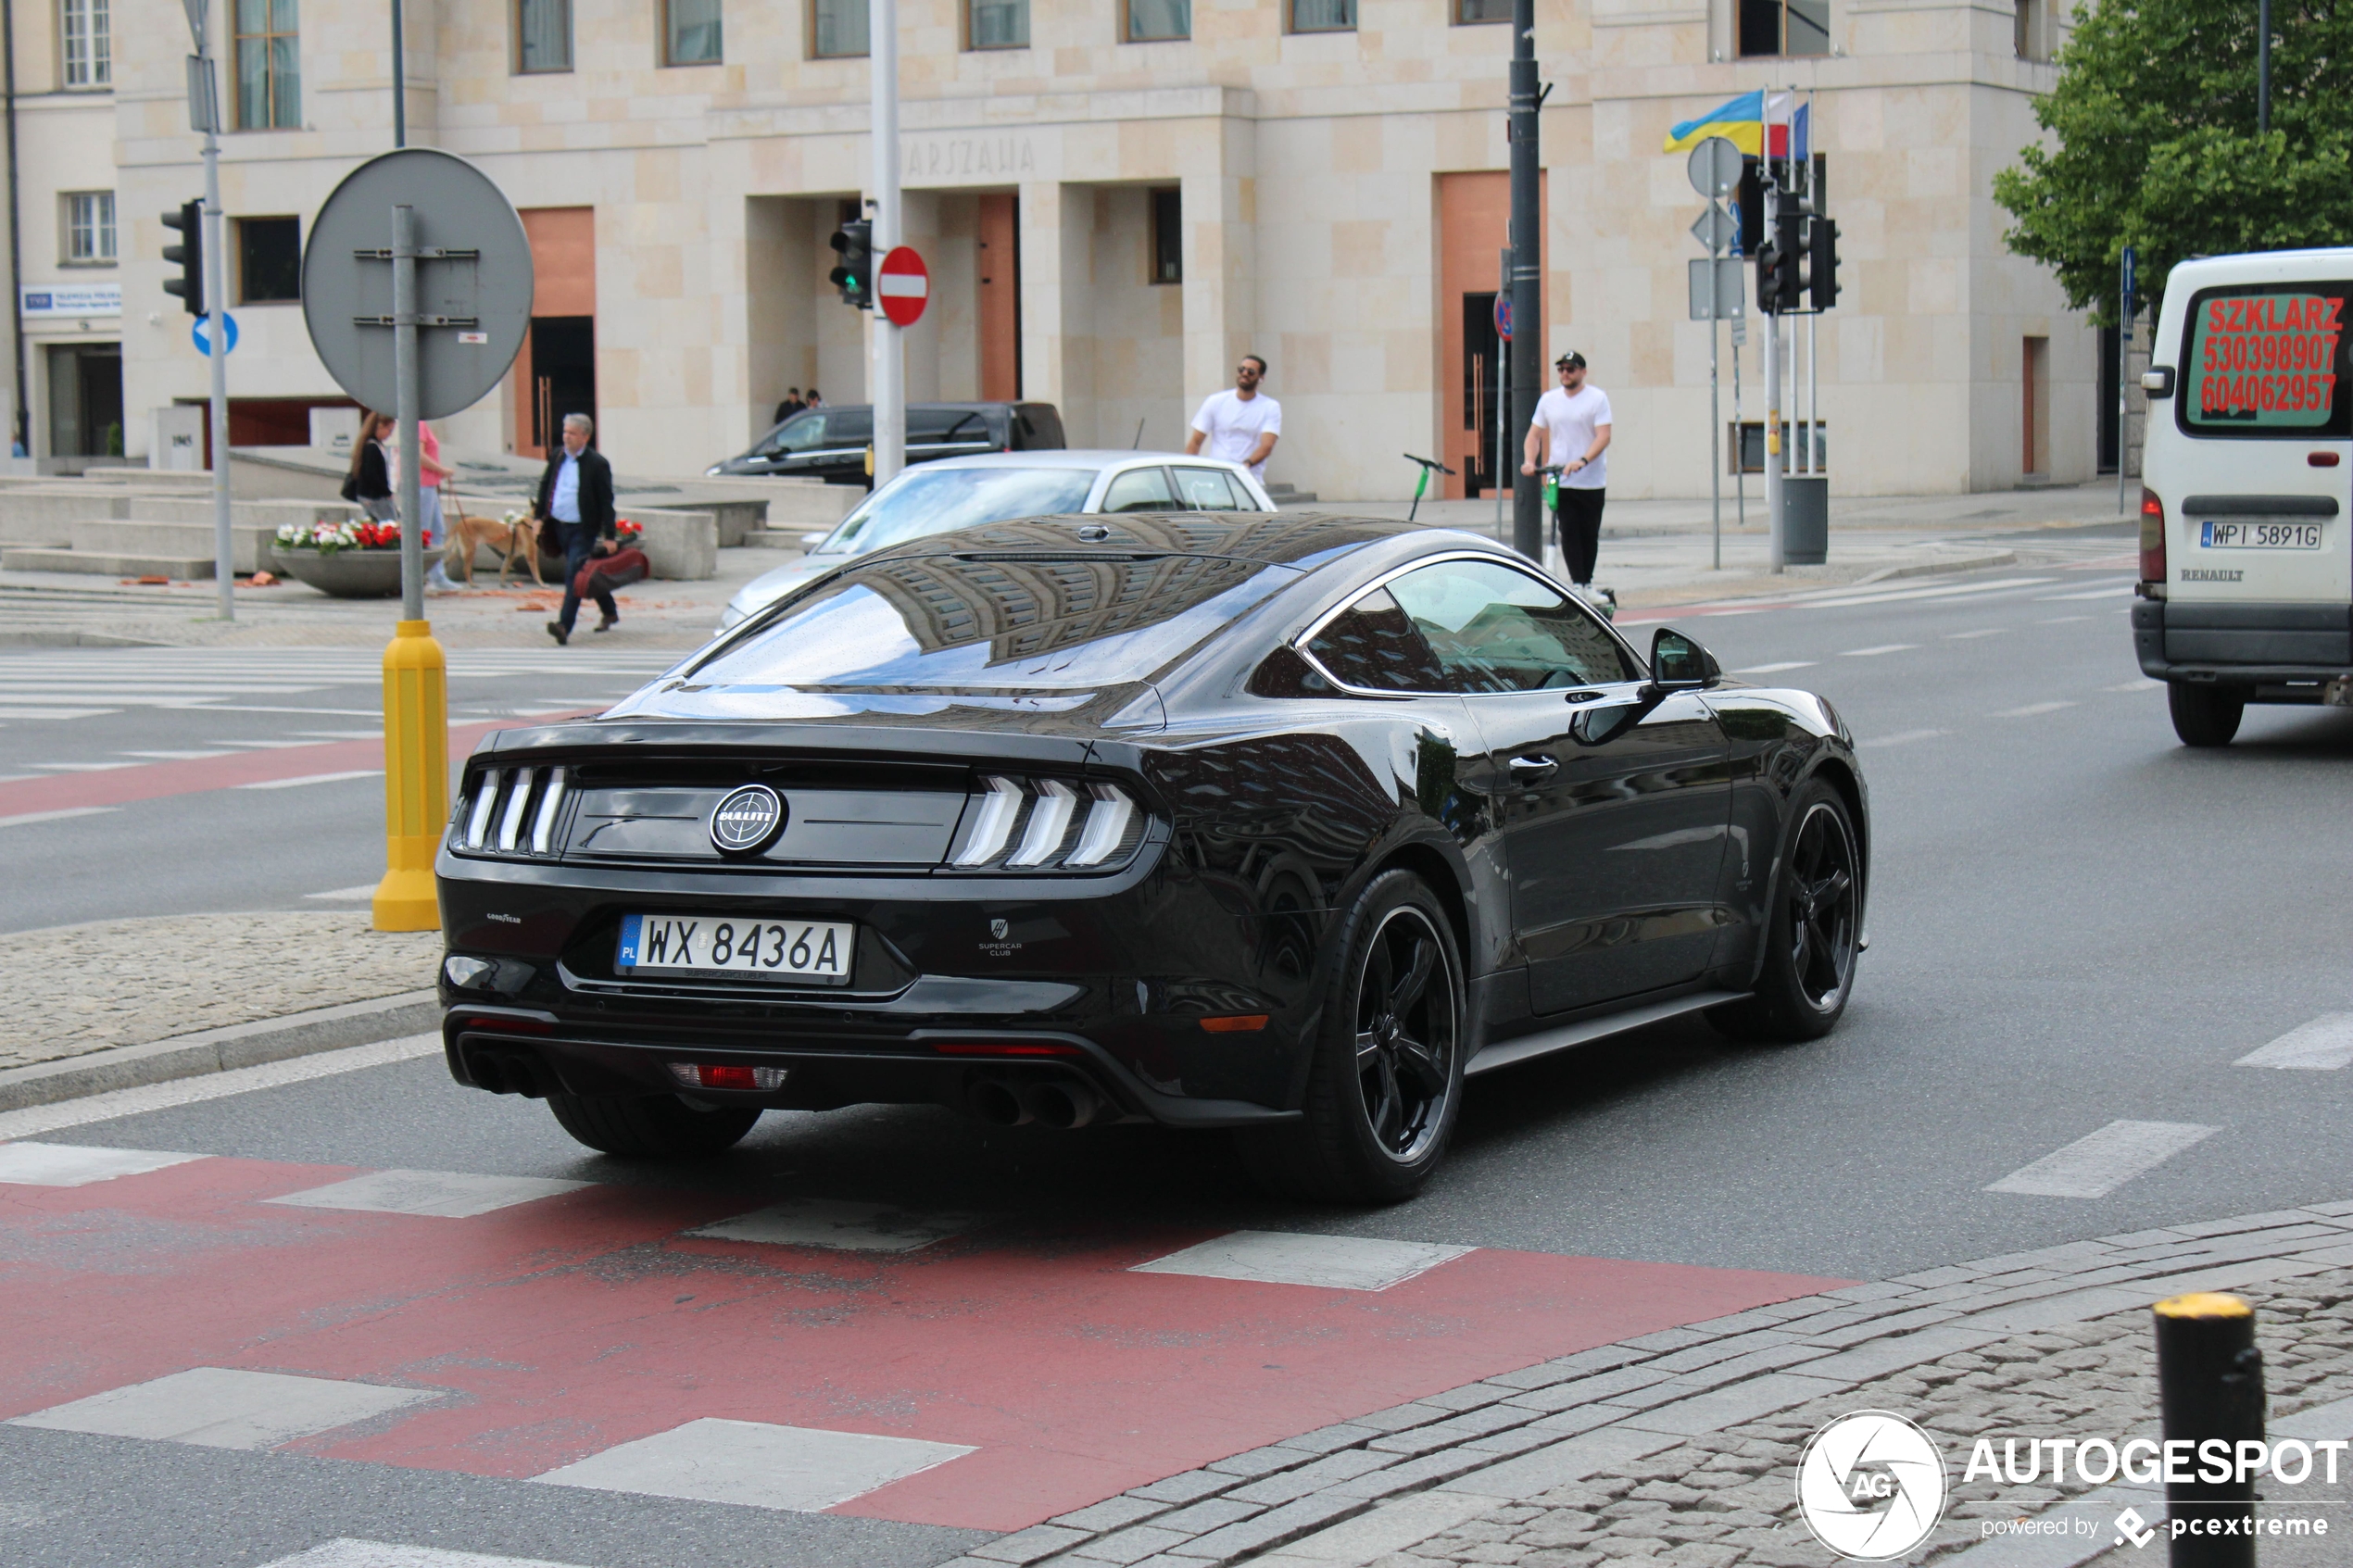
1275,824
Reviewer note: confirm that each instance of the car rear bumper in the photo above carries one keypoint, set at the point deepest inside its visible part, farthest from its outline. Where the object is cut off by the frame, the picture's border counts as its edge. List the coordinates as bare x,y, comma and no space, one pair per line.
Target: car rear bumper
2279,652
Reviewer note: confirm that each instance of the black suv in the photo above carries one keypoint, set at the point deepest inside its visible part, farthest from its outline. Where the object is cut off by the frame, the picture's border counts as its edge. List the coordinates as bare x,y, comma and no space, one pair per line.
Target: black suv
831,443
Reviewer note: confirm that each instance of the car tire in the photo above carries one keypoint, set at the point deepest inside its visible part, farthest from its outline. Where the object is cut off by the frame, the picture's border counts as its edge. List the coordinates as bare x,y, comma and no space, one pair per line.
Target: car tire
2205,715
1385,1085
654,1127
1813,936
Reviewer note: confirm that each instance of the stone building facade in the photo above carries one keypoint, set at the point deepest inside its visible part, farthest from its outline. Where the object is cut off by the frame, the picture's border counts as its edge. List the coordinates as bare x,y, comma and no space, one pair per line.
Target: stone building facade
1110,223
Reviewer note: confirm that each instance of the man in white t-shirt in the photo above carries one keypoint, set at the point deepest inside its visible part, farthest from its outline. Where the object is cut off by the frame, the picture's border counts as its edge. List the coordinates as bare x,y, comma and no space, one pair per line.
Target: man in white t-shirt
1571,428
1240,426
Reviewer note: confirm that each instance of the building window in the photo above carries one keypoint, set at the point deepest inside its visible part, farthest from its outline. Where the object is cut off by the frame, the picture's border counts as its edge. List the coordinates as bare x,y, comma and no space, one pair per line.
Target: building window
691,32
269,259
88,38
543,35
1785,27
268,66
839,28
1323,16
996,24
1155,21
2029,29
89,229
1482,11
1168,237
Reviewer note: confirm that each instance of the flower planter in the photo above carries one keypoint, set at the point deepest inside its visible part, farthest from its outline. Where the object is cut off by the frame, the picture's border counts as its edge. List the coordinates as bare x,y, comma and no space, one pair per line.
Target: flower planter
345,574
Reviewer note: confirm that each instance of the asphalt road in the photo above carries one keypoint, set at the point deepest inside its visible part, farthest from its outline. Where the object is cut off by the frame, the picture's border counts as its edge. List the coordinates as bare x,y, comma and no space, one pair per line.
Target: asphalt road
2074,923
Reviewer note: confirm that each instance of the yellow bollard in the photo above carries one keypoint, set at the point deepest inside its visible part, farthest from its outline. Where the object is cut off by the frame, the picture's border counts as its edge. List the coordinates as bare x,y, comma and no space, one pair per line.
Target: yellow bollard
416,777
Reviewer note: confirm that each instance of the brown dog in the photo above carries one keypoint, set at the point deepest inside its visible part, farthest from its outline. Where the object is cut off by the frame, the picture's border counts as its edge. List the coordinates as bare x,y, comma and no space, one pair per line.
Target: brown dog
468,533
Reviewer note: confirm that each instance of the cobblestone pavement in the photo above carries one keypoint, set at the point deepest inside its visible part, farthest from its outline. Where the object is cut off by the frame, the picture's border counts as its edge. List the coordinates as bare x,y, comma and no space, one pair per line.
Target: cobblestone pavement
73,989
1681,1446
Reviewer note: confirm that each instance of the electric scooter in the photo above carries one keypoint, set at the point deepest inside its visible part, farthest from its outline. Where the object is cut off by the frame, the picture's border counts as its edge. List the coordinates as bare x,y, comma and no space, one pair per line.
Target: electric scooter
1421,485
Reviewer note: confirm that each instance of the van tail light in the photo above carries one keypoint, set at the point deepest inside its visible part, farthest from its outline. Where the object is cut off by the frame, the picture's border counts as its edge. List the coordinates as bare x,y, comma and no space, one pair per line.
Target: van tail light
2152,537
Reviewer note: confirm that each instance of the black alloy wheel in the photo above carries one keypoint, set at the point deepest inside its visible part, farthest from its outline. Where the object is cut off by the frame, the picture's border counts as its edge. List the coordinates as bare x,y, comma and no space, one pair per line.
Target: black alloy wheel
1405,1034
1814,935
1386,1084
654,1127
2204,715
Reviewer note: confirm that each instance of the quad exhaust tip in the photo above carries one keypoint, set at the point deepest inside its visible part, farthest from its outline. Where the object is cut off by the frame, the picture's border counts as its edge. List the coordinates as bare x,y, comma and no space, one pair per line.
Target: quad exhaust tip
1060,1103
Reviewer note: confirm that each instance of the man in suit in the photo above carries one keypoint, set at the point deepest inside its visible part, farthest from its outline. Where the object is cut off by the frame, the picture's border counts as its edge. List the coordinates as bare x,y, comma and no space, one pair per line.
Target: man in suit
575,496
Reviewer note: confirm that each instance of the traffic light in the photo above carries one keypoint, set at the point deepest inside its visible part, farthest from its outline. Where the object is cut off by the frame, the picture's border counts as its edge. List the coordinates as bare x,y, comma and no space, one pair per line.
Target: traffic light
1822,264
1786,287
855,275
189,253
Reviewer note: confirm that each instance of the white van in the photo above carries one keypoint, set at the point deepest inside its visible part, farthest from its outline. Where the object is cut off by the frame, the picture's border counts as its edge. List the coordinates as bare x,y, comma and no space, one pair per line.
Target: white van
2246,551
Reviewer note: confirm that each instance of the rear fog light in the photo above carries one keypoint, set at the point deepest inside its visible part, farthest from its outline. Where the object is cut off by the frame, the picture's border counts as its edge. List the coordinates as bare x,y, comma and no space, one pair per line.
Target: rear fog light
710,1076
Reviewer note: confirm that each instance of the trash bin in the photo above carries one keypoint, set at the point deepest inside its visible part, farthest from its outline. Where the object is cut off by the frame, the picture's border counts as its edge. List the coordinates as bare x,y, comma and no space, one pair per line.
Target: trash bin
1806,518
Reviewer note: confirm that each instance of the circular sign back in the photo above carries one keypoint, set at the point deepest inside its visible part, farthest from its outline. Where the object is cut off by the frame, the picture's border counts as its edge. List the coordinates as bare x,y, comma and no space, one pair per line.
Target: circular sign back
903,284
485,298
1715,167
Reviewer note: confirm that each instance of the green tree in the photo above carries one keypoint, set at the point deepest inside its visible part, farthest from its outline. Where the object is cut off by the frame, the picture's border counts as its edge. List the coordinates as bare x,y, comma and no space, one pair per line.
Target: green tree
2153,142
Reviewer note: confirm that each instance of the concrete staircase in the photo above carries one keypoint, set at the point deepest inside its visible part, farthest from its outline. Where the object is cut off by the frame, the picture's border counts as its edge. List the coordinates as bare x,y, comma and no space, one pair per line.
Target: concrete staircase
124,534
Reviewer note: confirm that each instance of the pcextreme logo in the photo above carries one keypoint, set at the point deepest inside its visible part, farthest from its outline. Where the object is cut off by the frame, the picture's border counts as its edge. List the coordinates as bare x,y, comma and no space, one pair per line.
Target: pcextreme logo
1870,1485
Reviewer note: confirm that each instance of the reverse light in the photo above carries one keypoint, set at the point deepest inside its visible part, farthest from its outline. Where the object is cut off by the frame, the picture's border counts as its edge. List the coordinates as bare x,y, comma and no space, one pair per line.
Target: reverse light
712,1076
2152,537
466,974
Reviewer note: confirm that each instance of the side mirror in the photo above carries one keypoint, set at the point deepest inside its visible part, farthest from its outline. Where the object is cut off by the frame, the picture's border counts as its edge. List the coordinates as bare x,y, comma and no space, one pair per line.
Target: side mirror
1680,664
2157,380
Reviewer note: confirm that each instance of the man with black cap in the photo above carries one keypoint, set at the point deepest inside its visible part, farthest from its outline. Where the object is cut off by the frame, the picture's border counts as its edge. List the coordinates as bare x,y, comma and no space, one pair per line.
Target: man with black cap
1571,429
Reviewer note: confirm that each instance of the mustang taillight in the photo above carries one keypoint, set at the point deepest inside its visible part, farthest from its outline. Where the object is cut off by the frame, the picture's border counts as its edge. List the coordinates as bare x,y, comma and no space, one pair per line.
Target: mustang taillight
511,811
1048,824
2152,537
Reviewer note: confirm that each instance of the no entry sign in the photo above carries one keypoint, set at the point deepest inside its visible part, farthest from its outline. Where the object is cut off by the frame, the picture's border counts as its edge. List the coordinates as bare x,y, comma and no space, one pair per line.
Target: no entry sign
904,285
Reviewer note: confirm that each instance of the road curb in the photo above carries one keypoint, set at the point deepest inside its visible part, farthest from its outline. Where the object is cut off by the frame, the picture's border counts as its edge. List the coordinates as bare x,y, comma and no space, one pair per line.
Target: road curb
1347,1495
219,1050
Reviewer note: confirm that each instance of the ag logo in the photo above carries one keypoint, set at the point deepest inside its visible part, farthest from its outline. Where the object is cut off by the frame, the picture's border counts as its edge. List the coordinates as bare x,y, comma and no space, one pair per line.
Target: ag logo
998,928
1870,1485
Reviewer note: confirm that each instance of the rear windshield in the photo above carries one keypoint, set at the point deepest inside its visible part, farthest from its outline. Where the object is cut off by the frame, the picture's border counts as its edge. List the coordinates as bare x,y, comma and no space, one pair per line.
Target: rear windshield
2265,360
1036,623
924,501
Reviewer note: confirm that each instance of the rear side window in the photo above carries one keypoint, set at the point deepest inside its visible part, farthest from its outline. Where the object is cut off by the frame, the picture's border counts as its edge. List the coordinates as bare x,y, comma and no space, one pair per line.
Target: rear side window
1372,644
1208,490
1037,427
947,424
1140,490
2266,360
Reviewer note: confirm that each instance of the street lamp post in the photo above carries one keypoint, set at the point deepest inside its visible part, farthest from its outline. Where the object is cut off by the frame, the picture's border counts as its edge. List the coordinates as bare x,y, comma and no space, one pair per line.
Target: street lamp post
891,342
1527,273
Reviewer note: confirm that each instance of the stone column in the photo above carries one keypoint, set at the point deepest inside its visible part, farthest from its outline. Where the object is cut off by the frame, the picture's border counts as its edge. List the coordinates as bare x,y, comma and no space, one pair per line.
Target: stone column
1057,287
1220,213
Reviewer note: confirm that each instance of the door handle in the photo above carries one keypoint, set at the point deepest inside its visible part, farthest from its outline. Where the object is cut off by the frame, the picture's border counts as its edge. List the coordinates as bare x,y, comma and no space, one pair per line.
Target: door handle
1532,769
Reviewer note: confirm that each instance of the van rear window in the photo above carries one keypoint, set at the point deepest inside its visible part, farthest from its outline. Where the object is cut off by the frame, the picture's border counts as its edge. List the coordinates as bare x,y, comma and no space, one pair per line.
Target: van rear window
2266,360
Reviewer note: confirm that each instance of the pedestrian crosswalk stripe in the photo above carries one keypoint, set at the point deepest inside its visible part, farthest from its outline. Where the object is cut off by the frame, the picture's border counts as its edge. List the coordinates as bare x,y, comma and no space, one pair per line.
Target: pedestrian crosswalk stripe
1776,669
347,895
225,1407
796,1468
855,1227
350,1553
1875,652
26,818
2095,1165
444,1195
1334,1262
74,1166
1901,738
314,779
2031,708
2325,1045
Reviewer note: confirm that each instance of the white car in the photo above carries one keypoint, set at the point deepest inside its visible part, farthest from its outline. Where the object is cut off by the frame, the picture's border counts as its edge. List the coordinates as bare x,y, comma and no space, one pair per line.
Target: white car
2246,551
996,486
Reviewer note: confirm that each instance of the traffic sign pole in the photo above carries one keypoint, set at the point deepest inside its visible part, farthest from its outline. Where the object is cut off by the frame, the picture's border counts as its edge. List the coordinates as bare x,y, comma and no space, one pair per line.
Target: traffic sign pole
890,344
459,303
204,115
1715,169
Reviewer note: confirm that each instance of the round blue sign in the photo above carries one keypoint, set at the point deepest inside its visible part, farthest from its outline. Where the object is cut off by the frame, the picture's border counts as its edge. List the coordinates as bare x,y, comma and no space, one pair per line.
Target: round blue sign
1504,317
203,333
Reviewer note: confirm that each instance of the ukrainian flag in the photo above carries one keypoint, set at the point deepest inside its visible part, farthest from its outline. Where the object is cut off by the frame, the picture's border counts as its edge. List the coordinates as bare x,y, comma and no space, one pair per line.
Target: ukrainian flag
1750,122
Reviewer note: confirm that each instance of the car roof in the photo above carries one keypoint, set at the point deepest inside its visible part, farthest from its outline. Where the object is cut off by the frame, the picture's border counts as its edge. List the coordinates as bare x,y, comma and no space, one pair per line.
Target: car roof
1276,538
1070,457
